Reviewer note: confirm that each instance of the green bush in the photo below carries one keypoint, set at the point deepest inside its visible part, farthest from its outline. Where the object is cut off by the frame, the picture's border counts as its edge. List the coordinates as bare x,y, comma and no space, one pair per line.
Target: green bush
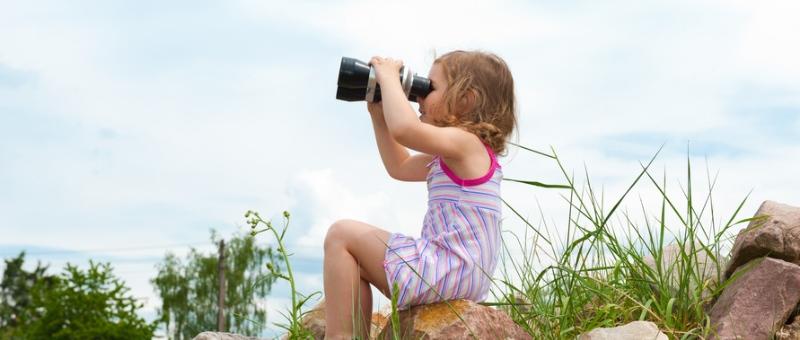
78,304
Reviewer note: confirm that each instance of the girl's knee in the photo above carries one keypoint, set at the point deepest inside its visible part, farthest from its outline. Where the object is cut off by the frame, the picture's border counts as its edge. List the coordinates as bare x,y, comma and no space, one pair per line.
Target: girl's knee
337,233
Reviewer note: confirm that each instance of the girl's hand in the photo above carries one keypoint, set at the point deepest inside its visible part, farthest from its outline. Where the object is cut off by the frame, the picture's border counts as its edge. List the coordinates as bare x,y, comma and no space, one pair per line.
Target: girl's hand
386,69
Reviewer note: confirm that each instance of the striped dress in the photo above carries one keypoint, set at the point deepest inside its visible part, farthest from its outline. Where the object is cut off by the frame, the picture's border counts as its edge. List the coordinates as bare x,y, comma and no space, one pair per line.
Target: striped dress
457,251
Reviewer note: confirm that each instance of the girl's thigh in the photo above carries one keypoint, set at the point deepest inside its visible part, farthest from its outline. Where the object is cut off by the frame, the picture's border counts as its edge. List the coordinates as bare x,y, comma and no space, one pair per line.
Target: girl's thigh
367,244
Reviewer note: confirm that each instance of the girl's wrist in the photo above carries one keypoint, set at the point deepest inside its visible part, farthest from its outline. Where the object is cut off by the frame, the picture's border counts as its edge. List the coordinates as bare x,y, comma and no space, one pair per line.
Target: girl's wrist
389,82
385,80
387,73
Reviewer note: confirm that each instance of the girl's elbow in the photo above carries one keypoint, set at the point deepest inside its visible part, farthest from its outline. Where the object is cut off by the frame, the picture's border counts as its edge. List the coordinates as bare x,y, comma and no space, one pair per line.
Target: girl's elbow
403,134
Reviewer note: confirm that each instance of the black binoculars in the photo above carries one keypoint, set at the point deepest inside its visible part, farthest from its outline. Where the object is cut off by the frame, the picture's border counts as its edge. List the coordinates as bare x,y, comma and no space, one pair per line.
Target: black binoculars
357,82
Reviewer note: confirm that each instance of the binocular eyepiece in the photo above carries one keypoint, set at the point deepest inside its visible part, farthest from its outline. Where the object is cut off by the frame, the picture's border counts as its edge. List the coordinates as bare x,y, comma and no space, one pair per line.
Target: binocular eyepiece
357,82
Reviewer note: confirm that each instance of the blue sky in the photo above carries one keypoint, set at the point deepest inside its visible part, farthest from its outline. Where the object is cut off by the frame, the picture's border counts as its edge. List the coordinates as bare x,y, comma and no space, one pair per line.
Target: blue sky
128,129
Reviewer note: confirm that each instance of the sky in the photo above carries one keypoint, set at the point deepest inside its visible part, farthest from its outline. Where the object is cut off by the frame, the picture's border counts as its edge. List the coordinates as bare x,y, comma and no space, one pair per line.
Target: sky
129,129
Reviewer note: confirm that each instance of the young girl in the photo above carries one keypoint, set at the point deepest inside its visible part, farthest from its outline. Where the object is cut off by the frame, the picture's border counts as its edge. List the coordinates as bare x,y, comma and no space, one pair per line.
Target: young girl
464,122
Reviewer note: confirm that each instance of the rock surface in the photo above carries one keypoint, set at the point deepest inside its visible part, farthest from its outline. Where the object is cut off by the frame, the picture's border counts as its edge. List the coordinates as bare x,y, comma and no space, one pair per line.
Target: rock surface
314,321
776,234
223,336
790,331
757,303
438,321
706,269
636,330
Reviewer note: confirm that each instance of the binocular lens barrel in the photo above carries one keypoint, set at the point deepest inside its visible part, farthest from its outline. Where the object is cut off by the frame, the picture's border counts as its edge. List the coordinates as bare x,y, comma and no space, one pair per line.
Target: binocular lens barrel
355,95
357,82
353,73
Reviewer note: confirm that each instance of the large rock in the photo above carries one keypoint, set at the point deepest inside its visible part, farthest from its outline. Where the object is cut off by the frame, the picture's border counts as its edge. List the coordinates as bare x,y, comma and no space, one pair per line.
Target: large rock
223,336
704,266
757,303
790,331
636,330
379,320
438,321
314,321
776,234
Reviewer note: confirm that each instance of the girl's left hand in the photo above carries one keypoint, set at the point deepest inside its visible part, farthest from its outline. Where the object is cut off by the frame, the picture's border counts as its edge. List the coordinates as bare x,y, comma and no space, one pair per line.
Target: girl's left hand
386,68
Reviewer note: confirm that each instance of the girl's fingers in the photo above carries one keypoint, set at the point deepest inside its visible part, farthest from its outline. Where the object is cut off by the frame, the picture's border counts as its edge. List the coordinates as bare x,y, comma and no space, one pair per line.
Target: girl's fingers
385,65
376,60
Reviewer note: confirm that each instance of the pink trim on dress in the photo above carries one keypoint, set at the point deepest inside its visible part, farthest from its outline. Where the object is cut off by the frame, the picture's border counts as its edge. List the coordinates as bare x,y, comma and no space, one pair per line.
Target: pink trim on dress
473,181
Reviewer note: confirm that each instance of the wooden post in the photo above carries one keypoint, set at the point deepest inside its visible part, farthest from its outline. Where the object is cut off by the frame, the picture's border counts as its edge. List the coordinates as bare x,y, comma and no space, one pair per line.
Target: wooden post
221,298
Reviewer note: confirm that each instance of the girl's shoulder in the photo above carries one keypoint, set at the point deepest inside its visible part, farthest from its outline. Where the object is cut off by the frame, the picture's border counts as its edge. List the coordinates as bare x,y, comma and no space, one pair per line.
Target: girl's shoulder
480,162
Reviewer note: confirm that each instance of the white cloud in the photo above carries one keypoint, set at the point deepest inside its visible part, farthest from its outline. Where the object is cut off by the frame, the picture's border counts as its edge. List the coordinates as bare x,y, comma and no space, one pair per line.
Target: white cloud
327,197
770,47
387,27
665,68
275,306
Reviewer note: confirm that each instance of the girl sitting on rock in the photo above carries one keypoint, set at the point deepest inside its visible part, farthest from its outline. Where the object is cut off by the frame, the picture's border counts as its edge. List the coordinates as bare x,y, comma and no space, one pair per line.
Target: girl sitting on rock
464,123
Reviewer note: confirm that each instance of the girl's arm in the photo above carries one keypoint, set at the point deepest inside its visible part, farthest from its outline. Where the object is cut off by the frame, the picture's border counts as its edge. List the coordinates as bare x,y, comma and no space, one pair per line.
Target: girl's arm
395,157
392,153
403,124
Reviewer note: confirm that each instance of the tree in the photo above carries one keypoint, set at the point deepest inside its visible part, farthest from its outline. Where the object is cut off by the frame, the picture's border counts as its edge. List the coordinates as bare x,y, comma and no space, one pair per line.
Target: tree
188,289
78,304
15,293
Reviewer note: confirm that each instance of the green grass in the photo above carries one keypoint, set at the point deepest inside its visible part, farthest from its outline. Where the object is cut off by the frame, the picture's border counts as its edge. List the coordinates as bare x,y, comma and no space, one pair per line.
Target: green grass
599,276
595,272
294,326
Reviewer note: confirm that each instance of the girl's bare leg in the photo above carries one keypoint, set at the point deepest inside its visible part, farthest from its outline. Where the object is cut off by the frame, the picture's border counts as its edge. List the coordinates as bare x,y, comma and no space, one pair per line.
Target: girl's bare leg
366,309
354,253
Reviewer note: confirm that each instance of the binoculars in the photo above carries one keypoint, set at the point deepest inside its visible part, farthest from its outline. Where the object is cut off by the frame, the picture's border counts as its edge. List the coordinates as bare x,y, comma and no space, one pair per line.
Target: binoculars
357,82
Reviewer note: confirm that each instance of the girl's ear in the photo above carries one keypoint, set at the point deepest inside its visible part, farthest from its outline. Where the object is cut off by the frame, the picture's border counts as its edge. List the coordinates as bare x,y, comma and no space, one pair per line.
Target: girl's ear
467,101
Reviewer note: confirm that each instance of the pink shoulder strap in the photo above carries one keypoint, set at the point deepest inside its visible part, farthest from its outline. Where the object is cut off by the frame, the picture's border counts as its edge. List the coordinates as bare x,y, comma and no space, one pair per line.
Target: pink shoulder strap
495,163
474,181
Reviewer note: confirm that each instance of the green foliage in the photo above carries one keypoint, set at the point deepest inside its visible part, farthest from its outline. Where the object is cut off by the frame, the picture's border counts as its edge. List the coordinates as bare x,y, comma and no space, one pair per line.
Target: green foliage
605,274
395,314
295,328
78,304
15,293
189,289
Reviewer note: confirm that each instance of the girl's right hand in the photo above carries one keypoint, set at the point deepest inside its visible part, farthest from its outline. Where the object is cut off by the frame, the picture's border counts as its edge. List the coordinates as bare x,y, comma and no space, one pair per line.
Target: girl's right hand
375,109
386,67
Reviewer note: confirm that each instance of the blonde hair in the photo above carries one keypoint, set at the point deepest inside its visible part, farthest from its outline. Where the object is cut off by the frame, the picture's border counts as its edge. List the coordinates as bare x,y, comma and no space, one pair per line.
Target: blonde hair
479,96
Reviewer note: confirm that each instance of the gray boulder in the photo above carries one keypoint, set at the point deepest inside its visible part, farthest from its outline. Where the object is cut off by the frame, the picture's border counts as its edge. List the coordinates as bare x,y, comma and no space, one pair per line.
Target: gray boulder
757,303
704,266
775,233
439,321
790,331
637,330
223,336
